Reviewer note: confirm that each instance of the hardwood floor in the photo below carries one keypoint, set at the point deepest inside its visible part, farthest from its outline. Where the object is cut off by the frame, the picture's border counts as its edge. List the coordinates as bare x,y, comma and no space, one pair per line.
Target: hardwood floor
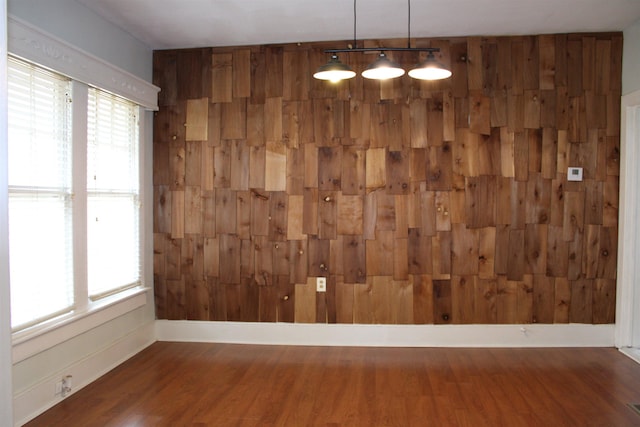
197,384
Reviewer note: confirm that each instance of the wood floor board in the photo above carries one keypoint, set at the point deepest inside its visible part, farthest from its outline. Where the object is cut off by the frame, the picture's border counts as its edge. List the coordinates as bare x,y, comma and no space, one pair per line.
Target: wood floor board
200,384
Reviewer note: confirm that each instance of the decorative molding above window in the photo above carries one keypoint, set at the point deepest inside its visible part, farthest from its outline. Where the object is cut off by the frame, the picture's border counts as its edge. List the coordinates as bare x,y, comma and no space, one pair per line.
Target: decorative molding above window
35,45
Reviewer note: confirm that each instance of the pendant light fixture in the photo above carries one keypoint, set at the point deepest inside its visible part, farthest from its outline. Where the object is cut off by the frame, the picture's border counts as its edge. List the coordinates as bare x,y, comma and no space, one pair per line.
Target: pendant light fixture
334,70
383,68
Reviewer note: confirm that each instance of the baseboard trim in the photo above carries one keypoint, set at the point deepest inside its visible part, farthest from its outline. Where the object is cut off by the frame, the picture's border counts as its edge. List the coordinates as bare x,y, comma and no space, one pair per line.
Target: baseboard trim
535,335
37,399
631,352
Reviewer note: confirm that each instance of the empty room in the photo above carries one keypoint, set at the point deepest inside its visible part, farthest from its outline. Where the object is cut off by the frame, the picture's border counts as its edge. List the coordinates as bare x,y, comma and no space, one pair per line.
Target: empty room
295,213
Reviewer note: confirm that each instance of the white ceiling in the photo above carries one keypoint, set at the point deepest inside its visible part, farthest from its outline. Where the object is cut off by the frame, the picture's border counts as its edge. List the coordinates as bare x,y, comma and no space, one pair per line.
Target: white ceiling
168,24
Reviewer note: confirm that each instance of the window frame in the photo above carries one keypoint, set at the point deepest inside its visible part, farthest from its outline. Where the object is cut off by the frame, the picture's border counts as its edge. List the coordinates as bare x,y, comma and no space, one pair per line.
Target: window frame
33,45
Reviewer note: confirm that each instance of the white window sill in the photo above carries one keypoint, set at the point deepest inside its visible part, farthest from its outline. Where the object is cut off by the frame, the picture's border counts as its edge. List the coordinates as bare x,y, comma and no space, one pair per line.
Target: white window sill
35,340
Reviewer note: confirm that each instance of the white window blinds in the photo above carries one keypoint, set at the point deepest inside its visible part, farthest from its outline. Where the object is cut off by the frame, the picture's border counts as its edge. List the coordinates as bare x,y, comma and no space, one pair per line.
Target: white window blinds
113,194
40,194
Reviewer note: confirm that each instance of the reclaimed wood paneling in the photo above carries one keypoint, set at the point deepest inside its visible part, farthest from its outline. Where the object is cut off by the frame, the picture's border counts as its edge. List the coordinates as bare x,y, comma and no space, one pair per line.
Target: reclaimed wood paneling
422,203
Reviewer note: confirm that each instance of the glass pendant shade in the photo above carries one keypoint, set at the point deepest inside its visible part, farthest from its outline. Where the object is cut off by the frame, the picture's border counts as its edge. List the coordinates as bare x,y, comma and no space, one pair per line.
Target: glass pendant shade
334,70
382,69
429,69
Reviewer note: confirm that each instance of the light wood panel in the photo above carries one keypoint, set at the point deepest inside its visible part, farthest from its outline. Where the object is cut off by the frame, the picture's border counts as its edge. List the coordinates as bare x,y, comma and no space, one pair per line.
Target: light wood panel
442,202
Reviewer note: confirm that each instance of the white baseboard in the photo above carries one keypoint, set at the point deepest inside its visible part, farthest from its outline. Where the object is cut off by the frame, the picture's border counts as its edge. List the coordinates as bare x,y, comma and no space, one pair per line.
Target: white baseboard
535,335
632,352
37,399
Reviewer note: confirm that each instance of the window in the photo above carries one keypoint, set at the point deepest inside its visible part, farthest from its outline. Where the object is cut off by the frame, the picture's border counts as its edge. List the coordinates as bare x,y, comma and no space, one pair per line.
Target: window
40,198
74,198
113,205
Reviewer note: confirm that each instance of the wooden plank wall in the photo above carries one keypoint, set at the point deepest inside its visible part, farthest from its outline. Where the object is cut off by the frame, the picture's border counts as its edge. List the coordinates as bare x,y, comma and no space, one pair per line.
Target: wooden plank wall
421,202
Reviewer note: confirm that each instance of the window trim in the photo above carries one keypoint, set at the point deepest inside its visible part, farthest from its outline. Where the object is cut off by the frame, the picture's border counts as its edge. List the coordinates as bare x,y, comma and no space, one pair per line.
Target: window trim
33,45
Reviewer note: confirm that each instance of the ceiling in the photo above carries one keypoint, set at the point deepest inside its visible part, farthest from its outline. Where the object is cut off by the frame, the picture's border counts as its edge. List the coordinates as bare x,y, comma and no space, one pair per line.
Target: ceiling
169,24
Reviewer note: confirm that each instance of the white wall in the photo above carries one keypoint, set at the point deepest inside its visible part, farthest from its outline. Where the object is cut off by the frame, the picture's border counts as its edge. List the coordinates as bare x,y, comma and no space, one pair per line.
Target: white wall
115,340
80,26
6,392
631,59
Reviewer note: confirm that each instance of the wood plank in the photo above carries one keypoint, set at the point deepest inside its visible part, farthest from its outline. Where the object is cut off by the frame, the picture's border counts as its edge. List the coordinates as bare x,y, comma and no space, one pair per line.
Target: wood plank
298,260
177,214
464,250
379,262
463,299
485,310
355,269
310,211
239,166
506,301
397,171
479,113
486,253
538,200
295,206
547,61
442,308
234,119
222,77
419,253
604,301
543,299
515,257
192,210
226,205
353,171
480,196
319,256
344,301
241,73
438,167
286,299
229,259
423,309
581,307
573,219
557,253
535,249
375,169
275,166
305,302
562,300
297,75
222,165
327,215
525,299
441,255
197,120
278,216
350,215
295,171
330,168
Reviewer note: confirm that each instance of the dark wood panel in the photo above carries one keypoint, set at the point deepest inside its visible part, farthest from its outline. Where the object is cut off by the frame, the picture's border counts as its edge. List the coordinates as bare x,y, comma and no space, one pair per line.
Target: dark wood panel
397,191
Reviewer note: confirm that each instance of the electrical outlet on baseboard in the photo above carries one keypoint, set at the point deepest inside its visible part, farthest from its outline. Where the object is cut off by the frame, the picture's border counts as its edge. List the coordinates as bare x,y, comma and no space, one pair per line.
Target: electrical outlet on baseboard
321,284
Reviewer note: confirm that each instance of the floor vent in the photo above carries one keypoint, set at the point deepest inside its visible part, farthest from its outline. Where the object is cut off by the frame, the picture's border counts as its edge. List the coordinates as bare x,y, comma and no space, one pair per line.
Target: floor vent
635,407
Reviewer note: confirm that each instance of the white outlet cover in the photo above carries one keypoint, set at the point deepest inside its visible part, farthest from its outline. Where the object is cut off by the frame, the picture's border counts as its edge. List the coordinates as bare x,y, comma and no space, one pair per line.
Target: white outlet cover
574,174
321,284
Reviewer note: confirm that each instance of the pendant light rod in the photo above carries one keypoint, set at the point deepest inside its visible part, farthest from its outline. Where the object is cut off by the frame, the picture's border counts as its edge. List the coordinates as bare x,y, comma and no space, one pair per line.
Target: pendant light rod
355,40
384,49
408,23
